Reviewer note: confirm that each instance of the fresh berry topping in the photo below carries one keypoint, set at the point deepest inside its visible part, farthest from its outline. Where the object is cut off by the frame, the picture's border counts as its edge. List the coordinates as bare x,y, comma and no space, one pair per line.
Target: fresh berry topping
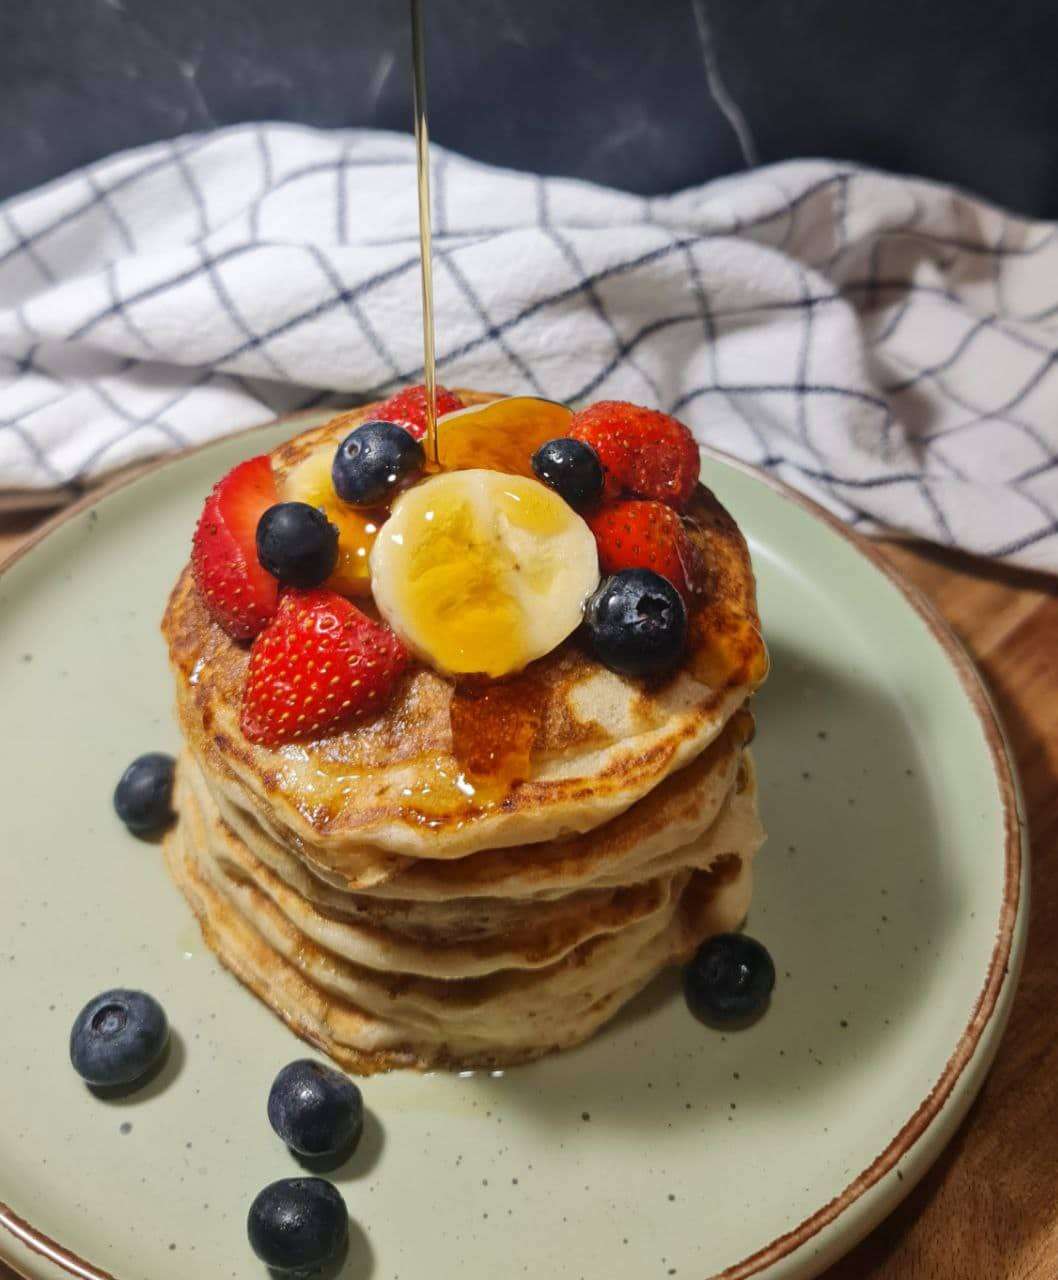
239,592
637,623
318,663
310,481
642,451
316,1110
637,534
143,796
295,1225
373,461
730,979
572,469
408,407
118,1037
297,544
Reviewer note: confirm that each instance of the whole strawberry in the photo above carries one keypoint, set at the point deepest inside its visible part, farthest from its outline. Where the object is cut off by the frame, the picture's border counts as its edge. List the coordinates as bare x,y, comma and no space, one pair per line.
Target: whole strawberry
637,534
643,452
239,593
408,408
319,663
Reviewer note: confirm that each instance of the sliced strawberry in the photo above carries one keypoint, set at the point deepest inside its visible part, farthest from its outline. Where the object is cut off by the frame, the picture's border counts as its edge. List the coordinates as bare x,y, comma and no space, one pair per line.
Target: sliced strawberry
636,534
408,407
238,592
317,664
642,451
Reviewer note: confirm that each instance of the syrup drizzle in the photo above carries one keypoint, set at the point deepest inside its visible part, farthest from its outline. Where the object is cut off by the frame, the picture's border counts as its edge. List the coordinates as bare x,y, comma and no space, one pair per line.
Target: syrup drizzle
495,725
422,173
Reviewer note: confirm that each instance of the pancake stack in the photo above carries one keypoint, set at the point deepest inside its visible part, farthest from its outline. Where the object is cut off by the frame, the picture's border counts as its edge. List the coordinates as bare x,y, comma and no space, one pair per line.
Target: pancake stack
397,909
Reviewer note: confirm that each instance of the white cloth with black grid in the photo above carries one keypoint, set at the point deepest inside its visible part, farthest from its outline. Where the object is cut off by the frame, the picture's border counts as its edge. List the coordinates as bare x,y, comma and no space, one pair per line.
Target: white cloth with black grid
887,345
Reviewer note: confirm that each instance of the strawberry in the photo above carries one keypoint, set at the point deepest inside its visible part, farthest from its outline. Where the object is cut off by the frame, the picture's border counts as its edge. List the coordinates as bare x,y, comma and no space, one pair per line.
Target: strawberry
642,452
637,534
239,593
318,663
408,408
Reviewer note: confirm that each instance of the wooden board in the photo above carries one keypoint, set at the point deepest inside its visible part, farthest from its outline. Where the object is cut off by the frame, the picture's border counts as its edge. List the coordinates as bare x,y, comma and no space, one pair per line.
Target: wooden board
989,1207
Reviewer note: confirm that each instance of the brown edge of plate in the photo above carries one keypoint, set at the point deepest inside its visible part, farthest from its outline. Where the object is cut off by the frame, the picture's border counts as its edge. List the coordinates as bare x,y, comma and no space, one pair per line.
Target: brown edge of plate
985,1005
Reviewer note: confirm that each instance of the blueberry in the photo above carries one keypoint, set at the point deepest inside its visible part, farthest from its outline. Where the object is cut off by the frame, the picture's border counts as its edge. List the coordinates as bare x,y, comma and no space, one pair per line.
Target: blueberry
297,544
316,1110
373,461
118,1037
297,1224
572,468
143,796
637,622
730,979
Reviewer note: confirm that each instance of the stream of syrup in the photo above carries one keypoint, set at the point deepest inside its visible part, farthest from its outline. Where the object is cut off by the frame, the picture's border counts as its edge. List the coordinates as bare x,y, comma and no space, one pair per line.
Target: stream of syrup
493,728
422,172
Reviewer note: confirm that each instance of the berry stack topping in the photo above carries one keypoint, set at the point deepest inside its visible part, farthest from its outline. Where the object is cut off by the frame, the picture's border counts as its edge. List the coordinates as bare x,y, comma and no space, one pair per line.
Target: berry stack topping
118,1037
643,452
297,544
239,592
408,408
317,665
143,796
637,623
640,534
316,1110
730,979
481,573
310,482
295,1225
374,461
572,469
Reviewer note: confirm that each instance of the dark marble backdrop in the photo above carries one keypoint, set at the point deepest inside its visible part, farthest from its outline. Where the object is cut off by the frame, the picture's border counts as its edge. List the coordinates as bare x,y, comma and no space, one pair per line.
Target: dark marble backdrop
649,95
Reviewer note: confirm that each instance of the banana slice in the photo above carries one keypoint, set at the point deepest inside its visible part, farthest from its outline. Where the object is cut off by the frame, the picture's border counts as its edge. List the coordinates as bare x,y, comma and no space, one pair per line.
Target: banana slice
481,572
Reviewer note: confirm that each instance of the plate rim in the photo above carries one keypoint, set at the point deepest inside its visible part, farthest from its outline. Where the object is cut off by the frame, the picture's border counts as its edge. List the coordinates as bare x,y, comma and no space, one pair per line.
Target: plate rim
998,978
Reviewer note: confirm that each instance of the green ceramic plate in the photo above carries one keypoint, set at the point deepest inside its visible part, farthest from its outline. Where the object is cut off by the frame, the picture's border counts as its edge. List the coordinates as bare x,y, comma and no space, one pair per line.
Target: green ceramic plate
891,893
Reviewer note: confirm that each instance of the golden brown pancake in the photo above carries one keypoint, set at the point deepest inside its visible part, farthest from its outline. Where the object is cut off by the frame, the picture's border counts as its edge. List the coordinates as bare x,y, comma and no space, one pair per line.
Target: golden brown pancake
665,820
454,937
371,1017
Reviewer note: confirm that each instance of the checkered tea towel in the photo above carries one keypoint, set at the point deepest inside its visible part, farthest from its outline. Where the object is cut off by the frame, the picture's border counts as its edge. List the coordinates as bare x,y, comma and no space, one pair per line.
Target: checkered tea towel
885,344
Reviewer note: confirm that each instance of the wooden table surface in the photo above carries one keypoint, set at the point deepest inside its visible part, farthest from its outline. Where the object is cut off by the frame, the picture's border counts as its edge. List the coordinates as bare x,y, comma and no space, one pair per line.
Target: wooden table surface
989,1207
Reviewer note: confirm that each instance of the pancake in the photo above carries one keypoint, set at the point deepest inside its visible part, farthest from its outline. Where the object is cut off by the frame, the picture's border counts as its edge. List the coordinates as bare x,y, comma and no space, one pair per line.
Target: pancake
678,810
453,938
370,1020
398,912
390,786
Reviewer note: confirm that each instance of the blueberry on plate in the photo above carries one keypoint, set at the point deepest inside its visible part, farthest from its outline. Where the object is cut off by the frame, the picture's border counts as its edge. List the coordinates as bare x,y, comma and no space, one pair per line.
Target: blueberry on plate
637,623
295,1225
118,1037
144,794
316,1110
730,979
297,544
373,461
572,468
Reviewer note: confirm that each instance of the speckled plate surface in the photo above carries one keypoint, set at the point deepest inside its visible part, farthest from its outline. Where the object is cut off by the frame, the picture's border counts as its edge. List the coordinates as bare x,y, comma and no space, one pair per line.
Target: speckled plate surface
891,893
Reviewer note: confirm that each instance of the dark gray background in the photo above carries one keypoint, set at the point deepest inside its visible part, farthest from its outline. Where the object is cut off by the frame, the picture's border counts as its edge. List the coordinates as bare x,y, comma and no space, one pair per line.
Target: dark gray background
623,91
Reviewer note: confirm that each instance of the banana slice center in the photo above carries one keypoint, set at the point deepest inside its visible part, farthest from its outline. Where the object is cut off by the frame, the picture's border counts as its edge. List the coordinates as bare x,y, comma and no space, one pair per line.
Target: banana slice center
482,572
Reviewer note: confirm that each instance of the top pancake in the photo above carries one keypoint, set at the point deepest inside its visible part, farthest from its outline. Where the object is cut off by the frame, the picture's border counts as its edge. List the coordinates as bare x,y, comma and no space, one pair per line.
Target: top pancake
391,783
